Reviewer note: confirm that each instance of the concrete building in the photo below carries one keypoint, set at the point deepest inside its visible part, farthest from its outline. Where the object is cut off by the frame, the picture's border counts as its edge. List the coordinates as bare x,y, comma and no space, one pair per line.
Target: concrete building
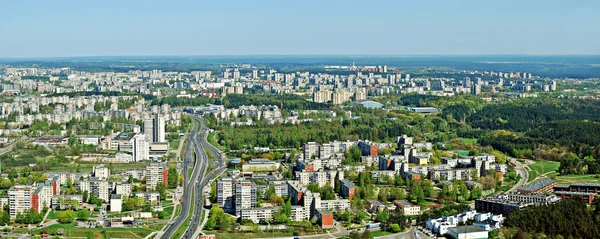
408,208
261,165
155,173
468,232
225,194
19,199
506,203
116,202
245,195
140,146
542,185
348,188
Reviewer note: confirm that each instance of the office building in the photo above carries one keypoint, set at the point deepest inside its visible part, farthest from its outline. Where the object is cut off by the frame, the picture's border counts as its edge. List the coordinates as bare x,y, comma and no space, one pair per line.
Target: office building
543,185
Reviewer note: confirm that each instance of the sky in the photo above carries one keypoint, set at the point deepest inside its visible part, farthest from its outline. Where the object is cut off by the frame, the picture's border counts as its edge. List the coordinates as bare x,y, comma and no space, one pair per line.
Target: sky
68,28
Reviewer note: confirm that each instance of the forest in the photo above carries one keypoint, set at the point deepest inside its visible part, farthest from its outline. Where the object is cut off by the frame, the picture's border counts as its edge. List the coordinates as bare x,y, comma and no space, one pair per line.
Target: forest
294,136
566,219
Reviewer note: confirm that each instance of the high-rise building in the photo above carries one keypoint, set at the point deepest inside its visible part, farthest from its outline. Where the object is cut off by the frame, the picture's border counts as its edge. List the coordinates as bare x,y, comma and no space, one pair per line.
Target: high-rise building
225,193
19,199
245,195
158,129
154,129
140,148
155,173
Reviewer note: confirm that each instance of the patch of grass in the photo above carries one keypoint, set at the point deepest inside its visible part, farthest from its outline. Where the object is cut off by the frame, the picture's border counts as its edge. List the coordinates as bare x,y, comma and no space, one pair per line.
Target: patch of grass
183,228
380,233
69,230
468,140
571,178
542,167
174,144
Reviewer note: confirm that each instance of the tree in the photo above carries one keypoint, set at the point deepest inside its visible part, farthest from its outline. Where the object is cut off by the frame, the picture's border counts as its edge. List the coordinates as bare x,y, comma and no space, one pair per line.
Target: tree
172,177
83,215
327,192
382,216
66,216
162,190
395,228
5,218
85,196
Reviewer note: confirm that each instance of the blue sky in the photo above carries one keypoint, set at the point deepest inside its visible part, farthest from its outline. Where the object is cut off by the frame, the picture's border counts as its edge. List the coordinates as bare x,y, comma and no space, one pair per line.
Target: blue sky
64,28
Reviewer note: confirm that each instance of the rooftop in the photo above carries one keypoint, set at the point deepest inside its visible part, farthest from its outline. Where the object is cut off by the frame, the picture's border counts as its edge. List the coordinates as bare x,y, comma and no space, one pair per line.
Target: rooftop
465,229
537,184
586,184
124,136
423,109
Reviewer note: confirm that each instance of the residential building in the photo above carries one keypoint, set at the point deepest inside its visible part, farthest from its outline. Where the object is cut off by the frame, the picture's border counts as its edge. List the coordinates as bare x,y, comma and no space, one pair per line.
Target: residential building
155,173
245,195
225,194
116,202
408,208
19,198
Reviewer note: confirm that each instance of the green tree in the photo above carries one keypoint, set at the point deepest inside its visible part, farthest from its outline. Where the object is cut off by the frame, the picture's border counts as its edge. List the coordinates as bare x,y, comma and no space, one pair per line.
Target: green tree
66,216
172,177
83,215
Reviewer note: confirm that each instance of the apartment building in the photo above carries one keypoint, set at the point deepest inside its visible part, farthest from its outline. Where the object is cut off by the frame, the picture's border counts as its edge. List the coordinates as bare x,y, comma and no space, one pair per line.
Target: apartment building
156,173
225,194
19,199
245,195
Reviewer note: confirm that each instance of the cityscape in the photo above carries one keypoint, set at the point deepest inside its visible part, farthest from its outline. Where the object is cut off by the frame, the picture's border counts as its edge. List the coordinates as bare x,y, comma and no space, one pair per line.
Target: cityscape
162,138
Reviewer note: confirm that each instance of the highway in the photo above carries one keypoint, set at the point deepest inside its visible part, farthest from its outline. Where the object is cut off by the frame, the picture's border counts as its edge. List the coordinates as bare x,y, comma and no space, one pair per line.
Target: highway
220,166
199,179
188,185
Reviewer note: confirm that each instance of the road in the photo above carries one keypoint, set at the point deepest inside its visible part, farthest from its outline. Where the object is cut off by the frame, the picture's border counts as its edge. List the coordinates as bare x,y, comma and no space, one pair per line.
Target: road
521,171
188,185
219,163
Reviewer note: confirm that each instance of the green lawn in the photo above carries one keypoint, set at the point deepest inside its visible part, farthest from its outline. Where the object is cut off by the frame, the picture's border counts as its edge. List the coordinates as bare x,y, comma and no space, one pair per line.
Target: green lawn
174,144
87,167
577,178
380,233
69,230
541,167
468,140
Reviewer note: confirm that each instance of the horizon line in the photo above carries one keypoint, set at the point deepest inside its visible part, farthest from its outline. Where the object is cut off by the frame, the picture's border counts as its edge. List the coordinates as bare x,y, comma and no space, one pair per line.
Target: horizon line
288,55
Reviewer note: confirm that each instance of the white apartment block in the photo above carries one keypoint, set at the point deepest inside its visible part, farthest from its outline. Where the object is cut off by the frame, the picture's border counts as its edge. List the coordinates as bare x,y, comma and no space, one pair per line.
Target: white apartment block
155,173
319,177
100,189
19,198
245,195
140,150
123,189
225,193
101,172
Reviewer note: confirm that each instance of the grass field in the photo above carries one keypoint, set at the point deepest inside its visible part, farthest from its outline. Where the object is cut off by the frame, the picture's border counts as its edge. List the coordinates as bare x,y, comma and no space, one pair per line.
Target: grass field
380,233
468,140
87,167
571,178
541,167
69,230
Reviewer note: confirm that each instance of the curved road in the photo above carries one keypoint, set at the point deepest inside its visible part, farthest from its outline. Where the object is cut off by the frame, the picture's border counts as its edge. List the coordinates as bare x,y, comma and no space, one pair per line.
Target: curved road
521,171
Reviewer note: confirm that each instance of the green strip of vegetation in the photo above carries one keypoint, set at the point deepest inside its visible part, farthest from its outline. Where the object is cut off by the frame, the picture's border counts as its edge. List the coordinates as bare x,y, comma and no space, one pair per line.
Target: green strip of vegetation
186,223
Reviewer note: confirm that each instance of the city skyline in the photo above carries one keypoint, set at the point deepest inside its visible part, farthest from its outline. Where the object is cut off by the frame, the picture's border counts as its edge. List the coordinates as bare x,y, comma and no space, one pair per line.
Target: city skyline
185,28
